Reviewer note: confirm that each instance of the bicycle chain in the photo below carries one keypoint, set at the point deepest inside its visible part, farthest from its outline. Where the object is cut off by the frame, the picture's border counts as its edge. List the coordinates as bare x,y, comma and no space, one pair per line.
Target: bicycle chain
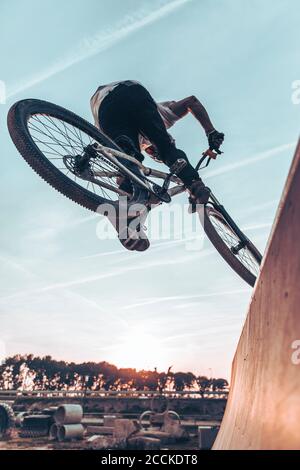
118,169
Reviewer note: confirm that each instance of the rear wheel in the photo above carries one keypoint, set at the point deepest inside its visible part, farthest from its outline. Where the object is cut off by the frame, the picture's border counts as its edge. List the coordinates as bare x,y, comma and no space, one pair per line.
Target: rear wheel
55,142
245,261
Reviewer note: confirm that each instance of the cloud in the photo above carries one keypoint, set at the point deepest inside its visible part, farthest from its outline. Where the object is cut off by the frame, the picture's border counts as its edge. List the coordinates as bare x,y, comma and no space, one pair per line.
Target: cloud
143,265
52,225
262,206
156,300
213,330
251,160
15,265
113,273
157,245
91,46
257,226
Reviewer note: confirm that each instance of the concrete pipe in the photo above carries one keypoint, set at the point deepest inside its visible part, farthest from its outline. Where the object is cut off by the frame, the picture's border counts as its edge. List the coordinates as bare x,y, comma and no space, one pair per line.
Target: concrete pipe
68,414
70,431
53,433
173,414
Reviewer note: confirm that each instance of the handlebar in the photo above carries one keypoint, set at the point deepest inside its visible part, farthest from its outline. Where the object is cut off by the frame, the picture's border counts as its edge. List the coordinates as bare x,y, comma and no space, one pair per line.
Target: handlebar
210,153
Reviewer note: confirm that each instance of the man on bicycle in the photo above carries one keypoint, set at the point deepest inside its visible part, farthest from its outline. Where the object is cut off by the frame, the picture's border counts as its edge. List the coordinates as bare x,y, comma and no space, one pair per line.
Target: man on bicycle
127,113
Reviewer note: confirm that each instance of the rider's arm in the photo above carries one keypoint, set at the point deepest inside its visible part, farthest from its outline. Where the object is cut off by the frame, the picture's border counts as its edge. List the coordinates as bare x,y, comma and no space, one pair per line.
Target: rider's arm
193,105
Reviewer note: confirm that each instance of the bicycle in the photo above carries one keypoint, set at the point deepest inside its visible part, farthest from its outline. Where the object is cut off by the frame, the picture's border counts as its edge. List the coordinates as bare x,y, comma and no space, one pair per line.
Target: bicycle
82,163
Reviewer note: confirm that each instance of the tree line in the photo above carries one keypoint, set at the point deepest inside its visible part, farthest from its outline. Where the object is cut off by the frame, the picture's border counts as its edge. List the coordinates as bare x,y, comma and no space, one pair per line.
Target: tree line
29,372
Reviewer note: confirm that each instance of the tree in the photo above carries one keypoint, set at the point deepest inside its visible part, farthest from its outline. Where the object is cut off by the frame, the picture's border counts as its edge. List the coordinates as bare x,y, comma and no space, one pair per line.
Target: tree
204,384
46,373
183,380
219,385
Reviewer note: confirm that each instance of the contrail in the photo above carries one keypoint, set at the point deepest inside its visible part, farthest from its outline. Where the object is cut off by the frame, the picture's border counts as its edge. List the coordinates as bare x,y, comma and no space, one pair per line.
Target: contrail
157,300
15,265
257,226
93,45
251,160
213,330
113,273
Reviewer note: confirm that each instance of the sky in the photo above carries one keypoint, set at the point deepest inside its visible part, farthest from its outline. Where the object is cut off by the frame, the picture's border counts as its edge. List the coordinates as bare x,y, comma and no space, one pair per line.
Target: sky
65,291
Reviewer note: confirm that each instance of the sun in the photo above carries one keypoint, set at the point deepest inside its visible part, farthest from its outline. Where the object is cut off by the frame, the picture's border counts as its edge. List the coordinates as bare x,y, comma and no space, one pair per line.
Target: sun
141,349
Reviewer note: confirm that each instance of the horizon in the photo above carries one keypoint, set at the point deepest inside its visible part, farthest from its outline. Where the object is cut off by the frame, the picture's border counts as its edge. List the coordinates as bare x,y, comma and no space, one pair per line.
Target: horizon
24,357
64,291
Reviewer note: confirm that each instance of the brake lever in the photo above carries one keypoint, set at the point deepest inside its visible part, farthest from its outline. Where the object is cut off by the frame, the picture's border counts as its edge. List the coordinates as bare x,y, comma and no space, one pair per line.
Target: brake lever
211,155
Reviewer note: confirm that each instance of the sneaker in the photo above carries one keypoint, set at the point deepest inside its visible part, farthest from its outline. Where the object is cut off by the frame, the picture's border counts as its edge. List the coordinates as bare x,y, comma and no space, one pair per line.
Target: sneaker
134,239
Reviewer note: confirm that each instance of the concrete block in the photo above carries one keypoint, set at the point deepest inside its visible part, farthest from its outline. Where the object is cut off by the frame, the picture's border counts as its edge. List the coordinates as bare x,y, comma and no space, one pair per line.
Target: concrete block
106,442
101,430
164,437
174,429
143,443
109,420
207,436
124,428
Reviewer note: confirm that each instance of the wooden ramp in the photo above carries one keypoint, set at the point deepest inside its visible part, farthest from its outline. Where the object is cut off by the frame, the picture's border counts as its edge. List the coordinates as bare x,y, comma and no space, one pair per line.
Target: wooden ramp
263,409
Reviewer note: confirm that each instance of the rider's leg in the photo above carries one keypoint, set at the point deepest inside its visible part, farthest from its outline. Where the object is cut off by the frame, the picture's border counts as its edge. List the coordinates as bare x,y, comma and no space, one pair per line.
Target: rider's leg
131,109
117,121
151,124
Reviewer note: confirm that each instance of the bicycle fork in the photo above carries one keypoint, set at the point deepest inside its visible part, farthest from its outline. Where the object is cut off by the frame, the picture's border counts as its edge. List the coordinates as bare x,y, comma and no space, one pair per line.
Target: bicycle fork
244,240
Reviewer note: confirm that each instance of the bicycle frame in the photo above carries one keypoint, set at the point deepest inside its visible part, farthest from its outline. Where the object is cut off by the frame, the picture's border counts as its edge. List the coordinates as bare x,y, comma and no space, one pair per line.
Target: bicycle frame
115,156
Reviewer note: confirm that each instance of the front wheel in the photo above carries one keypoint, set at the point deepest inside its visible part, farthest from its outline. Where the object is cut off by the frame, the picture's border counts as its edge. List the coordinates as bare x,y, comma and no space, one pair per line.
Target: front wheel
62,148
245,261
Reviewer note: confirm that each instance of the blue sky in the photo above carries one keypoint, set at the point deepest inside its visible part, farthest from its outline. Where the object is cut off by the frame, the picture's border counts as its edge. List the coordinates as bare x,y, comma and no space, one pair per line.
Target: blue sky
65,292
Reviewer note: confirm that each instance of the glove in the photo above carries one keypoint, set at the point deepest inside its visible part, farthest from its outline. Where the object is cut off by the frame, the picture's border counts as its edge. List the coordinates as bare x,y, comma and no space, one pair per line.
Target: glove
215,140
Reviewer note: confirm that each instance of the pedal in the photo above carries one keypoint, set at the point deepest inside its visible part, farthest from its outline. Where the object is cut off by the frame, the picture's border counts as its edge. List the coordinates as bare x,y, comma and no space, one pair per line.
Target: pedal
162,191
174,170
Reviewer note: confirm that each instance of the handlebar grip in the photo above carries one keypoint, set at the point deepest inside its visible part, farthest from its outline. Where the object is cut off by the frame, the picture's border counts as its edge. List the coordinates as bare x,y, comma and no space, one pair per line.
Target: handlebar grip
211,154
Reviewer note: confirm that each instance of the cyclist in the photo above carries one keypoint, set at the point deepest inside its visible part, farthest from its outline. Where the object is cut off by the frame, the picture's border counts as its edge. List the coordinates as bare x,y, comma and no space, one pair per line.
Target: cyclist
127,113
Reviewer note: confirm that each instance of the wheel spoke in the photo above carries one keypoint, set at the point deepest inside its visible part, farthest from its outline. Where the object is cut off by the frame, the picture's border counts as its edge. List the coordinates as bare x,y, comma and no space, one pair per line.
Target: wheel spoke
63,143
231,240
47,132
